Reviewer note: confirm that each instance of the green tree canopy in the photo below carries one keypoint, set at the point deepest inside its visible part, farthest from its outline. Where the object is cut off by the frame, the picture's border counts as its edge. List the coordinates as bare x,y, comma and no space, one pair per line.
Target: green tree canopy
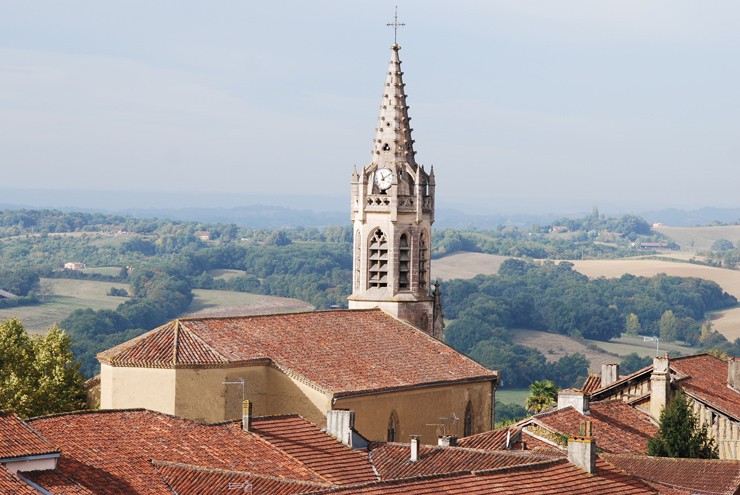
542,394
38,374
680,434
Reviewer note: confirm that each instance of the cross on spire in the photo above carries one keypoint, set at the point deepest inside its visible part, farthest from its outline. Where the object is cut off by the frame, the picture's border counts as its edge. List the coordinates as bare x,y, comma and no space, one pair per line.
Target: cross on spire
395,25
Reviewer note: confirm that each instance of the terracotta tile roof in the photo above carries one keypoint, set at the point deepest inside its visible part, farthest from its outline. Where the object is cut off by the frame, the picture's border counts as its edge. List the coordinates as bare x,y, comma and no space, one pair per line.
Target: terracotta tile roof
109,452
617,427
17,439
392,460
705,378
713,476
10,484
185,479
493,439
341,352
325,455
545,478
592,383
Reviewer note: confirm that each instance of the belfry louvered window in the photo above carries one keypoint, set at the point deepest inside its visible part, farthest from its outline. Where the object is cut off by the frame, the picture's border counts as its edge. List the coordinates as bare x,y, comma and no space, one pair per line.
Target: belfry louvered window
378,260
404,262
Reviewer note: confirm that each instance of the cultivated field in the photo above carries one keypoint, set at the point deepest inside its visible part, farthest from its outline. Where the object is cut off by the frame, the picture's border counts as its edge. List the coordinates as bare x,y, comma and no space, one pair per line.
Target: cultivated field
554,346
65,296
700,238
227,303
466,265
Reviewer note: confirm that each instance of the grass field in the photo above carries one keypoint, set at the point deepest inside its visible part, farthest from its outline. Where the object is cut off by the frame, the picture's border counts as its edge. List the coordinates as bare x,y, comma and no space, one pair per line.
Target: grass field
466,265
513,396
227,303
700,238
66,296
225,274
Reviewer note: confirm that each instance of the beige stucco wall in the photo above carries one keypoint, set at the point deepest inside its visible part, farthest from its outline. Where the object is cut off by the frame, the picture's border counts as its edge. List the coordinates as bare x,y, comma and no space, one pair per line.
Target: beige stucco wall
201,394
123,388
419,411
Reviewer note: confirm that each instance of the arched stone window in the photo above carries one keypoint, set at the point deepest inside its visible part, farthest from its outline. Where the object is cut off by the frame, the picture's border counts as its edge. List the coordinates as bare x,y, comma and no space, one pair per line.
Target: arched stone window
404,262
393,428
423,261
468,424
377,263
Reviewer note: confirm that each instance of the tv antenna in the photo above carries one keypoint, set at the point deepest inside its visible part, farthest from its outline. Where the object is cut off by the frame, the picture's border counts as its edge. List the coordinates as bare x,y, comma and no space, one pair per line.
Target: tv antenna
246,486
444,423
657,343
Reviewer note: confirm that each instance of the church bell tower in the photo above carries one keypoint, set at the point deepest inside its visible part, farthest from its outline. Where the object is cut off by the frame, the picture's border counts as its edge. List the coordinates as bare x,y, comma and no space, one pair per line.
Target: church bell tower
392,216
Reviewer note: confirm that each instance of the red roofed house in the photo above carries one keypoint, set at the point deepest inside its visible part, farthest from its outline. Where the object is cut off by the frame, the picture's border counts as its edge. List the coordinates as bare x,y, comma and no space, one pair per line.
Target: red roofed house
398,380
711,385
139,452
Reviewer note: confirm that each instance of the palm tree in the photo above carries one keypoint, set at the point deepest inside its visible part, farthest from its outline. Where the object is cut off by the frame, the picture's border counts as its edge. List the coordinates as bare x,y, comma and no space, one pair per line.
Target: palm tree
542,394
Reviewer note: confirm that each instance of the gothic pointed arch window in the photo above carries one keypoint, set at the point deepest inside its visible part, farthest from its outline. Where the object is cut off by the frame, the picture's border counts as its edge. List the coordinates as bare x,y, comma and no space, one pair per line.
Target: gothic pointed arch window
423,261
468,424
377,262
404,262
393,428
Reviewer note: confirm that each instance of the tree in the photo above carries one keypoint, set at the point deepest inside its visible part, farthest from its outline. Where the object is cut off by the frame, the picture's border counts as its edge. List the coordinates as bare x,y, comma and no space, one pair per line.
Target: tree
39,374
633,362
668,326
542,394
721,245
632,325
680,434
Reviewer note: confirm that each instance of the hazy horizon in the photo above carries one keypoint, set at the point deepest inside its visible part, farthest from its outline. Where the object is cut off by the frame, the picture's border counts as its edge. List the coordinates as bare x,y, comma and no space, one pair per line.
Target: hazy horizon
516,103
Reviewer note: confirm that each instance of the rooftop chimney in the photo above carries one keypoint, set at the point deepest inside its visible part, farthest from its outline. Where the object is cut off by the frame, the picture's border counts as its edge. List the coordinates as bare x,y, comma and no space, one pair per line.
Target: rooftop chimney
733,373
247,415
575,398
447,441
340,423
609,374
660,385
582,449
415,440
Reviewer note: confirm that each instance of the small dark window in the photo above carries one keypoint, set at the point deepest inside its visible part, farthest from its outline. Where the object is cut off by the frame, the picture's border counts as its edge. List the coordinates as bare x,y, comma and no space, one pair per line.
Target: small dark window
386,147
468,425
393,427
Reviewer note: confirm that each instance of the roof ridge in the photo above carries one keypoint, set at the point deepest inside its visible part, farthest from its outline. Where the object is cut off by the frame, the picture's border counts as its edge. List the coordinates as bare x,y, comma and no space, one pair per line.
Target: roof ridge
261,316
459,448
193,467
82,412
191,333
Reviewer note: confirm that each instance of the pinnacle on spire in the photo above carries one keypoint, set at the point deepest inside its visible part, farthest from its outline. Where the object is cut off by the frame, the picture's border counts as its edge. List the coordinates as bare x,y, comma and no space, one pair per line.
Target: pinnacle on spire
393,143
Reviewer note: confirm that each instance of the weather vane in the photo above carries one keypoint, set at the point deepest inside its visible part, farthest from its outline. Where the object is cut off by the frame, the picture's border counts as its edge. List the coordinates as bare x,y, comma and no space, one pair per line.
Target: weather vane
395,25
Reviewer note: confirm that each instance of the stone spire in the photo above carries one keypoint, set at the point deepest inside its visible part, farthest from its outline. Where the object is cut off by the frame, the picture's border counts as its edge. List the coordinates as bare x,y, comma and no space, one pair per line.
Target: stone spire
393,144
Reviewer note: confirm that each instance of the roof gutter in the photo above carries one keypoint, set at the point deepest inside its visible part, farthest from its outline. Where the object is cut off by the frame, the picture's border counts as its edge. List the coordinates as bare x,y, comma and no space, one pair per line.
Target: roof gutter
348,395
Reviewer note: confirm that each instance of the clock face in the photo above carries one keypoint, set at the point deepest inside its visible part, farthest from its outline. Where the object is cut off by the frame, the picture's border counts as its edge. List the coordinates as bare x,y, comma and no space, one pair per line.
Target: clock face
383,178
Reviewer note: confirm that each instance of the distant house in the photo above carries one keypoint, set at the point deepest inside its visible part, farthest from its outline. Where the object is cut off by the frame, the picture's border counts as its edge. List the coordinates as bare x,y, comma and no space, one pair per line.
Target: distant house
653,245
203,235
710,384
558,229
74,265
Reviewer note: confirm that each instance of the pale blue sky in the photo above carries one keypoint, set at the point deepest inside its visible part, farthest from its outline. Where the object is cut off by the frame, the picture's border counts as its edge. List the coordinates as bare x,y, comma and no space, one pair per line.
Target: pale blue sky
630,102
